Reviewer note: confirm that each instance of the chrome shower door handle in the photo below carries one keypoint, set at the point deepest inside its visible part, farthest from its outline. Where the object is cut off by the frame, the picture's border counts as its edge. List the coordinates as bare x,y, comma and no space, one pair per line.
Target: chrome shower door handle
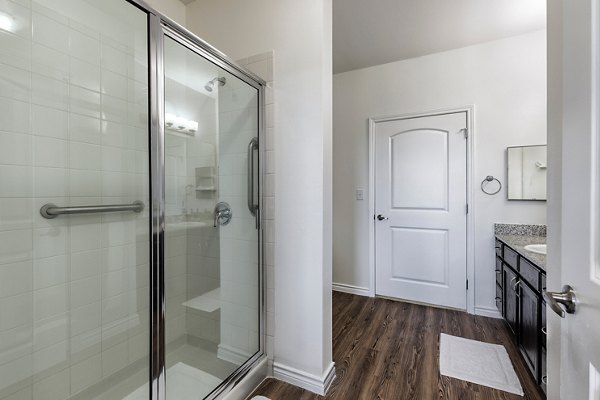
222,214
567,298
252,146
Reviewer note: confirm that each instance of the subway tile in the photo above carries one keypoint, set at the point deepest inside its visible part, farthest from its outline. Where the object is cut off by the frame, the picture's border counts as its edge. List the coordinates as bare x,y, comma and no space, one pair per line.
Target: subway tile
86,291
16,311
50,152
87,344
85,74
23,394
16,373
84,129
49,242
85,264
118,160
82,26
114,109
49,62
86,233
50,13
15,278
17,181
50,331
49,122
14,115
50,182
16,246
15,343
115,258
50,271
15,83
51,359
114,359
15,148
117,134
85,102
86,373
49,92
86,318
15,50
50,33
21,17
85,156
114,60
54,387
50,301
85,183
114,84
85,47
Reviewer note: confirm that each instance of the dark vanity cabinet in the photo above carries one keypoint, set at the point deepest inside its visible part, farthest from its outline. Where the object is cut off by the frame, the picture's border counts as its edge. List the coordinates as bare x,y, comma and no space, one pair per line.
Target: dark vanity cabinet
519,285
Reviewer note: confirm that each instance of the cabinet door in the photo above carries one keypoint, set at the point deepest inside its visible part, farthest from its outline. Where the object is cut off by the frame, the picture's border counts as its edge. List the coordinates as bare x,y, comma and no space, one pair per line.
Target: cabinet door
529,327
510,299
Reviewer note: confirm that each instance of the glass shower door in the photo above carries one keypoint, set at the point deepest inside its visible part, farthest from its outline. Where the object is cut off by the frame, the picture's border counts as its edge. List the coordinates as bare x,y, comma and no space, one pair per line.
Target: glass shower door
212,239
74,290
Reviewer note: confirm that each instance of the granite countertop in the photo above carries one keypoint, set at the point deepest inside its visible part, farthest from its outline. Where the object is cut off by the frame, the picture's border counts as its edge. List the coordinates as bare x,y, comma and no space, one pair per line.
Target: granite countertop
518,242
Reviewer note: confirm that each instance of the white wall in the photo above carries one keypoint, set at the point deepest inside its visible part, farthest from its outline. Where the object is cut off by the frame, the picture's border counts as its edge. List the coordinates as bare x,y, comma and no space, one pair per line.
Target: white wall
173,9
299,33
504,79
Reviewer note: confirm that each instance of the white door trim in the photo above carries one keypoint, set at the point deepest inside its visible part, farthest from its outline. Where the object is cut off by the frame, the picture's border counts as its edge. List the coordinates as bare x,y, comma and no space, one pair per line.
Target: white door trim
470,110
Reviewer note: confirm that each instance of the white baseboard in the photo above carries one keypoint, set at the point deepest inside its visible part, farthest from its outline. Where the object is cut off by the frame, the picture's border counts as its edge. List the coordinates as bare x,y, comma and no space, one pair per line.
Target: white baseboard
316,384
231,354
491,312
342,287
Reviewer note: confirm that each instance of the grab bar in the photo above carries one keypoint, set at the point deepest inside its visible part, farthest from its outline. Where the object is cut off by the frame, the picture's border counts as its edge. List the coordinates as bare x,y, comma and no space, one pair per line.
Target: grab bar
50,210
253,145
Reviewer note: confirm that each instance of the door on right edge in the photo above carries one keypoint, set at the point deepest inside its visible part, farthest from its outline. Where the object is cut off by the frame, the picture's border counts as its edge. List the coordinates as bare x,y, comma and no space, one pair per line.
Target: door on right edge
574,198
420,209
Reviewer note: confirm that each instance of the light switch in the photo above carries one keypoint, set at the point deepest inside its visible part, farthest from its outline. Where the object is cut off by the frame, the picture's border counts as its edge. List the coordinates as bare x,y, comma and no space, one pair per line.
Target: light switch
360,194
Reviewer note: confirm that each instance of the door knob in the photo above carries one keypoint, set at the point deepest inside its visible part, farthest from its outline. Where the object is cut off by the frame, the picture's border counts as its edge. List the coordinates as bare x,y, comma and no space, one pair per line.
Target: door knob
567,298
381,217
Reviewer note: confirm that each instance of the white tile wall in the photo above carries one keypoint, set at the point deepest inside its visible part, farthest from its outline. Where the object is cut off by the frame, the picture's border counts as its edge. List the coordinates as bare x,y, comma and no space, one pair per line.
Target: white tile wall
73,290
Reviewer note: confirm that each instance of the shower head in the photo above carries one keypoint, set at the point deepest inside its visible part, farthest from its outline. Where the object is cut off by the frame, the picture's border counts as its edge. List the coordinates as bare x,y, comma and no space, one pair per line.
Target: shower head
211,84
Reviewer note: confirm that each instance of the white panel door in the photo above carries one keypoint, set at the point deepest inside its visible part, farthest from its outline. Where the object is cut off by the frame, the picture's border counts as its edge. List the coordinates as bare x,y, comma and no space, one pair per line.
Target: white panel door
420,204
574,259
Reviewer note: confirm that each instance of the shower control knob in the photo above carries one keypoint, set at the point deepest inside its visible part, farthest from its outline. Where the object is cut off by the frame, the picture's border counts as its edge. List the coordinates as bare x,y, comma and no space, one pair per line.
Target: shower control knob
381,217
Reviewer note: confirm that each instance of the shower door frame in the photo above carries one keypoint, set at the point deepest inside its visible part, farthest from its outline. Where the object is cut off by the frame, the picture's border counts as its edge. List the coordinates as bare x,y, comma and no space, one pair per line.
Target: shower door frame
160,26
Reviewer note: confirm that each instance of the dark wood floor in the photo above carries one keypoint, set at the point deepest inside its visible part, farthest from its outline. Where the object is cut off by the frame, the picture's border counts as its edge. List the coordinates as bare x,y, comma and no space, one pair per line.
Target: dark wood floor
386,349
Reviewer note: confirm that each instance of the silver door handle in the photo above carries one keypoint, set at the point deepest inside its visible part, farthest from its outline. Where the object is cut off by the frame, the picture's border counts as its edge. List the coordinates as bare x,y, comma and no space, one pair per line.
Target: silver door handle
253,145
381,217
567,298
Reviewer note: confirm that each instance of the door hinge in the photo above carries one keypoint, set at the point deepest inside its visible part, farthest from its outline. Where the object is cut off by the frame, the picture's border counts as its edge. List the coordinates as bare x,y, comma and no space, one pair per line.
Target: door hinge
466,209
467,284
465,132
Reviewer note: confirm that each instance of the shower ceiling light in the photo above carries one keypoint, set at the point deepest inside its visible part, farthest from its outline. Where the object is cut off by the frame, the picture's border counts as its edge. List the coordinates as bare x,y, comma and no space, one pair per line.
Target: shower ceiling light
7,23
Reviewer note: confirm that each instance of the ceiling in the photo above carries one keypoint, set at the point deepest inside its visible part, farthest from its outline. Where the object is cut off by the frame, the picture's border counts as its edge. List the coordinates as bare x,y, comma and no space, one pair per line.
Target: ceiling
373,32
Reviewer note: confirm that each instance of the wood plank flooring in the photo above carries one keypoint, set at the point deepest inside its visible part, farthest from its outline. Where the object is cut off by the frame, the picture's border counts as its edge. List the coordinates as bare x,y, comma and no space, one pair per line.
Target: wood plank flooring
389,350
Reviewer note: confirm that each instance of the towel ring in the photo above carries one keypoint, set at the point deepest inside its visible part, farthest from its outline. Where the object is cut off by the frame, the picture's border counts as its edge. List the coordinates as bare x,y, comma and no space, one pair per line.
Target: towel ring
490,178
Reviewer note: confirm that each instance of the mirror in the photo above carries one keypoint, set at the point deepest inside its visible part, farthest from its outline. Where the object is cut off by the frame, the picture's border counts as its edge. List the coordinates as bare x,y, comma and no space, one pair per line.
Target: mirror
527,172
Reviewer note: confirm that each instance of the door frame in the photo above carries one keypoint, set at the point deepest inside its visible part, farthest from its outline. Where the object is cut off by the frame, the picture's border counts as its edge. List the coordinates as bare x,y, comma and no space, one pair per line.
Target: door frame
470,220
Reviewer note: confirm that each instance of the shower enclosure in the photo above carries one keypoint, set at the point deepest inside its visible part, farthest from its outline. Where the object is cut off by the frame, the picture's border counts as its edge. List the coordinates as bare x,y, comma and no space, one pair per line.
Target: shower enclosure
130,237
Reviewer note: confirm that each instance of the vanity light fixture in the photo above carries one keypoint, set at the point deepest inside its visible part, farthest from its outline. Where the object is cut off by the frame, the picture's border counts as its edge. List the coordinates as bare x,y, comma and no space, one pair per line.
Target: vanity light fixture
181,124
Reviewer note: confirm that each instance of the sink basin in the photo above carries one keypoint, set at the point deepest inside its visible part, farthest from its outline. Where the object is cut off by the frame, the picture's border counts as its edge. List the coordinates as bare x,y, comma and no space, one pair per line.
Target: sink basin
536,248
